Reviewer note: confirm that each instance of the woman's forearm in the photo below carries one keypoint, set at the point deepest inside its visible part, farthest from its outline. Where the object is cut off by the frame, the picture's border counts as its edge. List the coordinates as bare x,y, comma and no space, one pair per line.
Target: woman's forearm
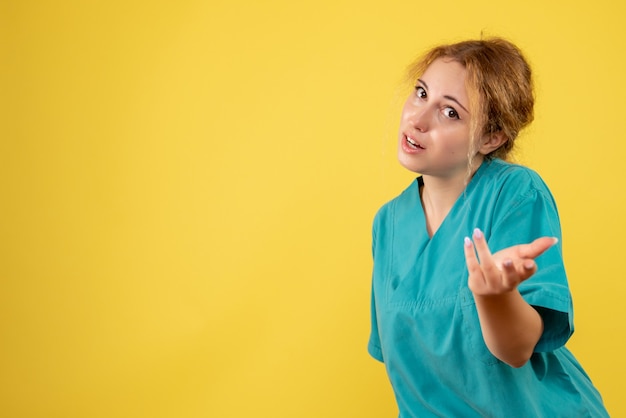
511,327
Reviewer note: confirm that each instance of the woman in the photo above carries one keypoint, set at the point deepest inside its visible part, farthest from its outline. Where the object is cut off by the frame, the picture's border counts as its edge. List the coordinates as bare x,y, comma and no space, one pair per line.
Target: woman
464,332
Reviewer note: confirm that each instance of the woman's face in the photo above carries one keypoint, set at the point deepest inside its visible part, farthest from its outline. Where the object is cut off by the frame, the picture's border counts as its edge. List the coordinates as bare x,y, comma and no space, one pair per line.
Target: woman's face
434,137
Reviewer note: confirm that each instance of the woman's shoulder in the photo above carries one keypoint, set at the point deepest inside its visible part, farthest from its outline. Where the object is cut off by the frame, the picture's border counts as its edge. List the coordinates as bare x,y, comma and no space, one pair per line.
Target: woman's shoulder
407,198
507,174
510,185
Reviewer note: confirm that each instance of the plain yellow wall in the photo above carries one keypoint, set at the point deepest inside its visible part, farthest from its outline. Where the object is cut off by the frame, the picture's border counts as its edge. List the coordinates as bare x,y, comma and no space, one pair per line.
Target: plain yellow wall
187,191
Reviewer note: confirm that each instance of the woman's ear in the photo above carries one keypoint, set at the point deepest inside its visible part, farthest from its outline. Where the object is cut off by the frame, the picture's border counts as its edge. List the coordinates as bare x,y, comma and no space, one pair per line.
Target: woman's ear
492,142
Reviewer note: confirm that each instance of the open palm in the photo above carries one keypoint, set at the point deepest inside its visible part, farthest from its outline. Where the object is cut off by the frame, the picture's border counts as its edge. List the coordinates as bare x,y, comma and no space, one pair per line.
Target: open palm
503,271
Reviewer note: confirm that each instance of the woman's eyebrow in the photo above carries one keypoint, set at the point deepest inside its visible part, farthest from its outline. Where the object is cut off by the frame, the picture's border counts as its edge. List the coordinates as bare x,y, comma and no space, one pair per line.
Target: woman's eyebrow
446,97
457,102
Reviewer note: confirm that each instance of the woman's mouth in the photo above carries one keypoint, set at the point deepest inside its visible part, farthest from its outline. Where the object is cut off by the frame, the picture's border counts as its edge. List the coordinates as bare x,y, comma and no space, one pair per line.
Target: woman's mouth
413,144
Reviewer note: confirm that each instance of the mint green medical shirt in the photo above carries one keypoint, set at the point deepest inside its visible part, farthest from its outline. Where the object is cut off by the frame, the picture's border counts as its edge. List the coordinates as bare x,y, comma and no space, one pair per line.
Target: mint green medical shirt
424,322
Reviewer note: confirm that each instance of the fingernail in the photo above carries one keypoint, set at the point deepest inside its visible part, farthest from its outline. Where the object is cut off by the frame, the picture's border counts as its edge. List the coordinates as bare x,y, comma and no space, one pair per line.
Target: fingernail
468,242
478,233
508,263
528,265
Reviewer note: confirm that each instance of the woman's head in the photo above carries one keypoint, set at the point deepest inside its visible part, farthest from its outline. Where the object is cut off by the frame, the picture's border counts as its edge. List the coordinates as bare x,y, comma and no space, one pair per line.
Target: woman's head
499,88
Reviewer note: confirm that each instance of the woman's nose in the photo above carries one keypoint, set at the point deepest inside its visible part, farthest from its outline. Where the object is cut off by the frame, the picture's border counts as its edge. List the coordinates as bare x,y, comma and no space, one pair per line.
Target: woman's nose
418,118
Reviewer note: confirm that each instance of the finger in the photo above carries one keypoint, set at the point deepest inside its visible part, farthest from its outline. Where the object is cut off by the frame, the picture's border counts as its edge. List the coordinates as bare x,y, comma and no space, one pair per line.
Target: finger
476,277
473,266
524,269
513,273
528,268
484,254
537,247
470,255
510,276
481,244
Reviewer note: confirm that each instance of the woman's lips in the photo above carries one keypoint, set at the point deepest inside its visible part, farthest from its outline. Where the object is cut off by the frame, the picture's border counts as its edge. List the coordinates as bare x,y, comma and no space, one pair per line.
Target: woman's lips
410,145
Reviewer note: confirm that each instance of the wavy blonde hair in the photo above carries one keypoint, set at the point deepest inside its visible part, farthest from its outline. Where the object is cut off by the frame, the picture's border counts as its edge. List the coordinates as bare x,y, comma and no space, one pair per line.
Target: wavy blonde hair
499,86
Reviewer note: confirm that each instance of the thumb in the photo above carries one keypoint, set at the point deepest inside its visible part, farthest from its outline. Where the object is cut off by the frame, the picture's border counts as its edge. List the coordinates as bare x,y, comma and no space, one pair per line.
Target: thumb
537,247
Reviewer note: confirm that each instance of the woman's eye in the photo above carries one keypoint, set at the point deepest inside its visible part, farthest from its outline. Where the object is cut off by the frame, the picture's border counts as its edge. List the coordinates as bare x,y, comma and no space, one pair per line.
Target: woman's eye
420,92
451,113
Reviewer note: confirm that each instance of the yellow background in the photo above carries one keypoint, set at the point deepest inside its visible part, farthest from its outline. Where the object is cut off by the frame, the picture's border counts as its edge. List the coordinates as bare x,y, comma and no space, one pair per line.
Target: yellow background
187,190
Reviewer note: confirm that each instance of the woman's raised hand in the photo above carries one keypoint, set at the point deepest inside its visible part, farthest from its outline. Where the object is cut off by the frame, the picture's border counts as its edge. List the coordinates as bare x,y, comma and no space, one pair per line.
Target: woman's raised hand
502,272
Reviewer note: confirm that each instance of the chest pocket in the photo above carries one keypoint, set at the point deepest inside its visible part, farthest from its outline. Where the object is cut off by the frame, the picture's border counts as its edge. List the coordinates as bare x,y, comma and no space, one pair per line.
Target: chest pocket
432,309
475,346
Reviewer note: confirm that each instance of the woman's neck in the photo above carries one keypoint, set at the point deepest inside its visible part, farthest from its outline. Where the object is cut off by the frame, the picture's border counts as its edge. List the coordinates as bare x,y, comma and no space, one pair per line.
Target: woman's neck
438,195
